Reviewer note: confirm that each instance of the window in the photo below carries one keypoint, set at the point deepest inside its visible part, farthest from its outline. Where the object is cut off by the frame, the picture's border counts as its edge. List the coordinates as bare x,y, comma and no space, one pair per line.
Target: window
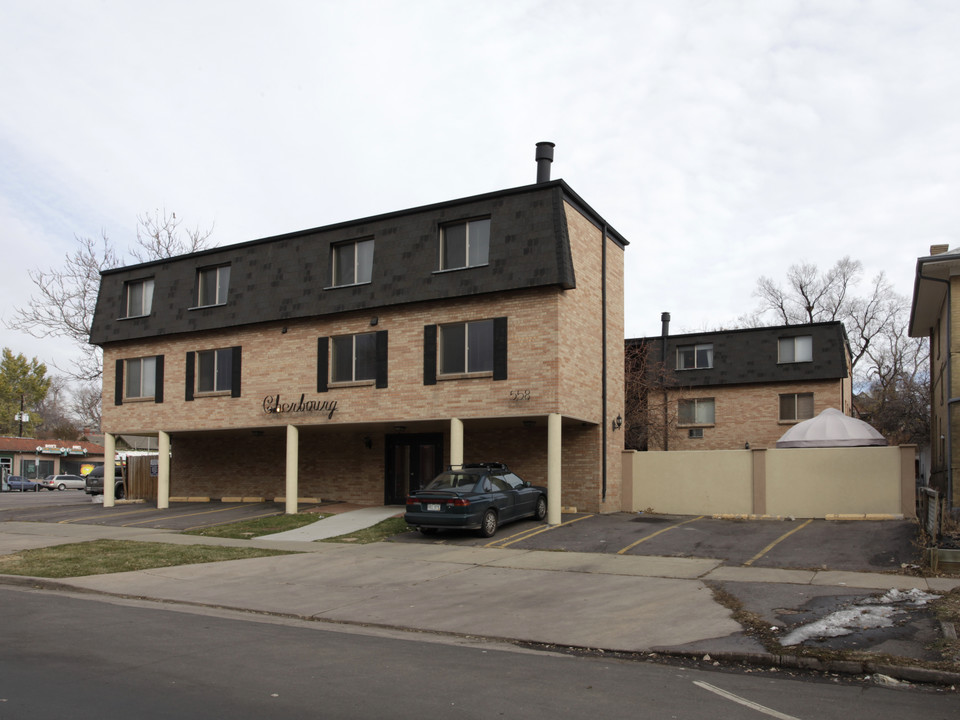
699,411
466,347
354,358
796,406
214,370
139,299
465,244
796,349
352,262
212,285
693,357
141,378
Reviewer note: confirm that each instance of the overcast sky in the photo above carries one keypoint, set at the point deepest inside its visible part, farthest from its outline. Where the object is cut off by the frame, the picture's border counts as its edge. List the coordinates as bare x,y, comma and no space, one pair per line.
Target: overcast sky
725,140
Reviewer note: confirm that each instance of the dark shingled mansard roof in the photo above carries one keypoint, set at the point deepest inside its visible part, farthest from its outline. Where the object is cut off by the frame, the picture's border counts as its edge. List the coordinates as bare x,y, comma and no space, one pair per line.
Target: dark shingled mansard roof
288,276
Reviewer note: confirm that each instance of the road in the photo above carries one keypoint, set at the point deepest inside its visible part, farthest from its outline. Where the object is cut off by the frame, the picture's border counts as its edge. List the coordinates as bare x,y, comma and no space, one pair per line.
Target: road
76,656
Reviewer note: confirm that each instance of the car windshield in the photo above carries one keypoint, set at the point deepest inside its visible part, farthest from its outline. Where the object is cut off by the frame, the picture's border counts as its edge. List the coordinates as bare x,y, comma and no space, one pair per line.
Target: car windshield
454,481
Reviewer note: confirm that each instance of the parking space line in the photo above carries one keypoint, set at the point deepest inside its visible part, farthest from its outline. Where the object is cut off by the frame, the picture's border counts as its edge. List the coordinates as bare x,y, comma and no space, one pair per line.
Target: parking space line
245,519
780,539
530,533
177,517
653,535
100,517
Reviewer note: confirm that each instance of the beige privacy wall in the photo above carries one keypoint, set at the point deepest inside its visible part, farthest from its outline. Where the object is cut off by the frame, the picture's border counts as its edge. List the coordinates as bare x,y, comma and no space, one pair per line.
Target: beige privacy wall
798,482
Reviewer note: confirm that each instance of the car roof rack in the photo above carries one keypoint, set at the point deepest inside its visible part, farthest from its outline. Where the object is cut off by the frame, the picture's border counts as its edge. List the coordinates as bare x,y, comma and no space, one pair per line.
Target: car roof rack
480,466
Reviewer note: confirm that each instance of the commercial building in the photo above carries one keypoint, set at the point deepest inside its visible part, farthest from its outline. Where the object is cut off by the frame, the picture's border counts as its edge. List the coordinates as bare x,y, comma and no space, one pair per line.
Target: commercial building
354,361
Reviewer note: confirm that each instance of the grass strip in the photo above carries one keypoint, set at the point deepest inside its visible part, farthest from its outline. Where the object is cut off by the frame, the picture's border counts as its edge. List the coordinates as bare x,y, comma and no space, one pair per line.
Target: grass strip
375,533
102,557
248,529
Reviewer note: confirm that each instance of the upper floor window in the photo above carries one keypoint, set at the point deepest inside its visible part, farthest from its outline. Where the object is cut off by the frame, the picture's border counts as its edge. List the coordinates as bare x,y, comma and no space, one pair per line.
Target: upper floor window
795,349
212,285
698,411
796,406
354,358
466,347
139,297
352,262
141,378
214,370
465,244
694,357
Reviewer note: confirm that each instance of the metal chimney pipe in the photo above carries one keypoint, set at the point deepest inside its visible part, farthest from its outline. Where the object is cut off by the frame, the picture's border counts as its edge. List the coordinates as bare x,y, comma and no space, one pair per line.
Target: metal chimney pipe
665,324
544,158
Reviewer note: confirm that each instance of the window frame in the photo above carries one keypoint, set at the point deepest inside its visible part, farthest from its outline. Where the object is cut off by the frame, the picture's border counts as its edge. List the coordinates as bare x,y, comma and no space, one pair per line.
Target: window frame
370,360
791,342
697,348
144,376
367,267
697,403
222,285
483,243
796,407
146,286
487,351
218,355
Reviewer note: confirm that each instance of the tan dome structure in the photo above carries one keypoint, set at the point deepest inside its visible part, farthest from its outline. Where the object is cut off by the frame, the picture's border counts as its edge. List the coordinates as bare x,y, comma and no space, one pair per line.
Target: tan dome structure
831,428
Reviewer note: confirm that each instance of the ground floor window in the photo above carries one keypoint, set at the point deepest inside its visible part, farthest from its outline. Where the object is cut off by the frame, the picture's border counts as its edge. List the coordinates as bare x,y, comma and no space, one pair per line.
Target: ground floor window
796,406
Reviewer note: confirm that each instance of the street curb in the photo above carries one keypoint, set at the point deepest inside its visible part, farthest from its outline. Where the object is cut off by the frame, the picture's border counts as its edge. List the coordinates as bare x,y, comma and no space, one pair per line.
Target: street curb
903,673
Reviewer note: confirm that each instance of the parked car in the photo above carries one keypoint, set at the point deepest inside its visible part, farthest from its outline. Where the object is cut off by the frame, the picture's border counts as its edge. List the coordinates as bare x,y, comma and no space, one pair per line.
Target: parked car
18,483
94,482
62,482
480,496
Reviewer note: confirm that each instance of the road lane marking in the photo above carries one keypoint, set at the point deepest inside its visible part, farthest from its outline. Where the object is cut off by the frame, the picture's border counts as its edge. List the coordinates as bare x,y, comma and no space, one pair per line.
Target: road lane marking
780,539
743,701
529,534
658,532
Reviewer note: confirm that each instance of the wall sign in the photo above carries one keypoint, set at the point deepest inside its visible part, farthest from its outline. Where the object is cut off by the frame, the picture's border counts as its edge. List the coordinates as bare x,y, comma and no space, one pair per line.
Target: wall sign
272,404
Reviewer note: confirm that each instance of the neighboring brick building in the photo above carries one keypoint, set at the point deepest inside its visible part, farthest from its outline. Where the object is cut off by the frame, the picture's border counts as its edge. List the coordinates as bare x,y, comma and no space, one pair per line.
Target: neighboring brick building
935,314
354,361
733,387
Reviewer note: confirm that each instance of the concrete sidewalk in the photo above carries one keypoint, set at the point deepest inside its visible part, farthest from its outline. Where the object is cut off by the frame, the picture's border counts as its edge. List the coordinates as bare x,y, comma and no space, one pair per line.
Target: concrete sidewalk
589,600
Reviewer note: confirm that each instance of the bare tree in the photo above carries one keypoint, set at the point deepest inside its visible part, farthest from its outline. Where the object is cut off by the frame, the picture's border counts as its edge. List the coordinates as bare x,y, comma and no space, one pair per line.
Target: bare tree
85,406
651,395
66,297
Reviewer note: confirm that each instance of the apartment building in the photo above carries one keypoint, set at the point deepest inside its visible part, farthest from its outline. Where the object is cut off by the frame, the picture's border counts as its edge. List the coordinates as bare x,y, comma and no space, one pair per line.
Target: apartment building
732,389
354,361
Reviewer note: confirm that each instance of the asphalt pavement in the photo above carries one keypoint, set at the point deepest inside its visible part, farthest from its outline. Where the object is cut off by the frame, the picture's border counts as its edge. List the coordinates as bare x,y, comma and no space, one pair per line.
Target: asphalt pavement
609,601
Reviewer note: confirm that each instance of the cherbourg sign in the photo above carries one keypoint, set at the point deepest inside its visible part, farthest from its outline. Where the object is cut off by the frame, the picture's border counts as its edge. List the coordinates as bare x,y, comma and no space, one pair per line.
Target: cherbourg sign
273,404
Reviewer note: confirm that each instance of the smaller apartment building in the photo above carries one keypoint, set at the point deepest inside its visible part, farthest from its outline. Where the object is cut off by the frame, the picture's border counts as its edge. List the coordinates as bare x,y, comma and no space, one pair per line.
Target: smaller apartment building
354,361
733,389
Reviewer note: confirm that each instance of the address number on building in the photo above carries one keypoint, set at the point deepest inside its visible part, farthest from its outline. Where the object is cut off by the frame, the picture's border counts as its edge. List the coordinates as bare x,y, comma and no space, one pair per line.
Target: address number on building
519,395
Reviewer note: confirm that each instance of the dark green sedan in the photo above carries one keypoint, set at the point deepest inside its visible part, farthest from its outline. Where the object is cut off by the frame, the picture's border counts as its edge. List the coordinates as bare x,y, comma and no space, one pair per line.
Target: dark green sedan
478,496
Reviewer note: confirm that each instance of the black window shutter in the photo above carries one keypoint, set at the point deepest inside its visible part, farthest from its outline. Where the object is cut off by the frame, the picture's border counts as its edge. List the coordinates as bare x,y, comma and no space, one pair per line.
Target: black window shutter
158,381
323,363
118,385
188,381
382,359
235,372
500,348
429,354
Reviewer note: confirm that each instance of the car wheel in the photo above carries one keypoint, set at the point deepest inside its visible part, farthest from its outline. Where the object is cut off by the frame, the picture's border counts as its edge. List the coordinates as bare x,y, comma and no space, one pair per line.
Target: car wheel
488,526
541,512
61,486
118,493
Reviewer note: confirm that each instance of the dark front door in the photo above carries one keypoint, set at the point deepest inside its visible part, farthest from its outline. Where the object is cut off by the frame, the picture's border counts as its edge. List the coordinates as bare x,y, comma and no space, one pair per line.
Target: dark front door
412,461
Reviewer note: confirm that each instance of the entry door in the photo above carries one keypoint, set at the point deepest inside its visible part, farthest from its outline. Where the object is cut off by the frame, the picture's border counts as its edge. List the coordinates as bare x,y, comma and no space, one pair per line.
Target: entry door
412,461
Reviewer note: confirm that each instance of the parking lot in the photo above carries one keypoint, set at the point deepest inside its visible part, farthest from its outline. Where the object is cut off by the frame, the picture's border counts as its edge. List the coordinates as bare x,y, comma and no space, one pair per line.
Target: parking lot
865,546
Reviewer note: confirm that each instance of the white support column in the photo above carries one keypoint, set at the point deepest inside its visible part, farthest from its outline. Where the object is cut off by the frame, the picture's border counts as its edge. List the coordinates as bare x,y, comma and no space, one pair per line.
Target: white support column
554,489
109,469
293,461
163,471
456,441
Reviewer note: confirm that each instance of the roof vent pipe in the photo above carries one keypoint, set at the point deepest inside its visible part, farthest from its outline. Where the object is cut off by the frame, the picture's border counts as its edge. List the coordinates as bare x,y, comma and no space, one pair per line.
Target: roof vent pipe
665,324
544,158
